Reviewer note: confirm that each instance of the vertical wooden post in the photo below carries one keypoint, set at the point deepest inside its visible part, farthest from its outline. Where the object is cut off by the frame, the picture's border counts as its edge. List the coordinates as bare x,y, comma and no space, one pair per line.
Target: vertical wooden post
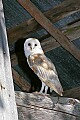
8,110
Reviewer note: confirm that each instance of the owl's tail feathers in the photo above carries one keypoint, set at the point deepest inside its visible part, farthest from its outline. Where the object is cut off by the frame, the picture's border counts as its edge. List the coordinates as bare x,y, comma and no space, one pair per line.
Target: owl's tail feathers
57,88
61,94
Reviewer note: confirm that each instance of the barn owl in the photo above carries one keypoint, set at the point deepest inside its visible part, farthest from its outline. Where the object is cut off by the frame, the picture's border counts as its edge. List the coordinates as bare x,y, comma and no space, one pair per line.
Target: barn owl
42,66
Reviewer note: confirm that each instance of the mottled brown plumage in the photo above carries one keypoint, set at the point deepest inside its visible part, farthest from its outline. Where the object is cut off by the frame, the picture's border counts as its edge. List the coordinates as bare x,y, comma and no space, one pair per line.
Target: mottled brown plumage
46,71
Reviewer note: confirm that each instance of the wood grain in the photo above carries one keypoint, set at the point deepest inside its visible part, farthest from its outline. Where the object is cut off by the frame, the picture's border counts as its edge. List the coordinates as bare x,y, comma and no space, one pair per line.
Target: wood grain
20,81
39,106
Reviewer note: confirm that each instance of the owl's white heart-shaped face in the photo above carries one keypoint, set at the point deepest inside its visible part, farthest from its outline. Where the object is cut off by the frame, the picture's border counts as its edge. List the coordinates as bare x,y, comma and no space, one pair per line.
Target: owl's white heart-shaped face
32,46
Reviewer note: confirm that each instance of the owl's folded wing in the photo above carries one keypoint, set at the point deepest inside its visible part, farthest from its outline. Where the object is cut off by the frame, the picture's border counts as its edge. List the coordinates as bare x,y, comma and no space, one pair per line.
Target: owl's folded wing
48,75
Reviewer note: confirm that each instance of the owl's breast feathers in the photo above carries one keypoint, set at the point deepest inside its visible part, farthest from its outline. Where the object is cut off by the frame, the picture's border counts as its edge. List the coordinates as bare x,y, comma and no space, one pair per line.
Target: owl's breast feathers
46,71
40,59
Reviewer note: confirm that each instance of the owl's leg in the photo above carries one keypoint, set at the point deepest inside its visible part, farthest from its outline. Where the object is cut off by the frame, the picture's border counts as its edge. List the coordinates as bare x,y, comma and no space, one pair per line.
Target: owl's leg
42,88
51,90
46,89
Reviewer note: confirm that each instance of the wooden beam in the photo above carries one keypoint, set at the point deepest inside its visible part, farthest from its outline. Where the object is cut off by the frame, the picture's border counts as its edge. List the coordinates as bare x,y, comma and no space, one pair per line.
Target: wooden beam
20,81
44,22
73,24
72,31
14,60
66,8
50,43
37,106
54,14
8,109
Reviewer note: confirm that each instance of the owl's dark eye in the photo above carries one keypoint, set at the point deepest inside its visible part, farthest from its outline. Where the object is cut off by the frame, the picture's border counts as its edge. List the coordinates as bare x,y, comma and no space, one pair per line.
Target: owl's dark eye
35,44
29,44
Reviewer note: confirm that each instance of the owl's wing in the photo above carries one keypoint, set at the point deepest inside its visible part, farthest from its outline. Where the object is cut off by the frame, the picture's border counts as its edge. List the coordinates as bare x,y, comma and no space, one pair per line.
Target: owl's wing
46,72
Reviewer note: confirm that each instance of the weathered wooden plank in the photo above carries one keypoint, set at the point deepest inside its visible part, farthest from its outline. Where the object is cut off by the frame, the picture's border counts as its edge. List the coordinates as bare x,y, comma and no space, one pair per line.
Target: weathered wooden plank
37,106
72,33
8,110
64,9
50,43
54,14
20,81
43,21
74,25
74,21
14,60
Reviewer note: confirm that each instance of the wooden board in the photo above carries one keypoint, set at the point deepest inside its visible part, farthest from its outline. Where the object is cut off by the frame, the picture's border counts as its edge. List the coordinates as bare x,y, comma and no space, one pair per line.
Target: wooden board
66,8
37,106
8,110
20,81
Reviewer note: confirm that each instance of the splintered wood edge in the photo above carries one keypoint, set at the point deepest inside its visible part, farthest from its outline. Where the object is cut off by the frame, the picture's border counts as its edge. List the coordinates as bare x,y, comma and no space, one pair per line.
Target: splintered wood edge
46,102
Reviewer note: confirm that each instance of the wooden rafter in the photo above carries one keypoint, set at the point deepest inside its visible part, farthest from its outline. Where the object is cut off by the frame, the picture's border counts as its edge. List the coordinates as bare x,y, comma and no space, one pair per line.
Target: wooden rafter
44,22
20,81
67,7
54,14
14,60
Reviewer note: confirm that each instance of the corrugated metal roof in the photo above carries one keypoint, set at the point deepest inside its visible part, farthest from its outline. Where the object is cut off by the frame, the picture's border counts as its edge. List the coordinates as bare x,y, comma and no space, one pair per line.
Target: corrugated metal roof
14,13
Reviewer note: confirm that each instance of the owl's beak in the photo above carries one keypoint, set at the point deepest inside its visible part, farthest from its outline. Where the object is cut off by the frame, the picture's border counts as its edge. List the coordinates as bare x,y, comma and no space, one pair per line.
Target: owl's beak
30,47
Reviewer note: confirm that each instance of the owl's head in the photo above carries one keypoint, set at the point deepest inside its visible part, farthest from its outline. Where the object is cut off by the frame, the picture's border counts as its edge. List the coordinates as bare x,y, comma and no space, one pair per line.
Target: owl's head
32,46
